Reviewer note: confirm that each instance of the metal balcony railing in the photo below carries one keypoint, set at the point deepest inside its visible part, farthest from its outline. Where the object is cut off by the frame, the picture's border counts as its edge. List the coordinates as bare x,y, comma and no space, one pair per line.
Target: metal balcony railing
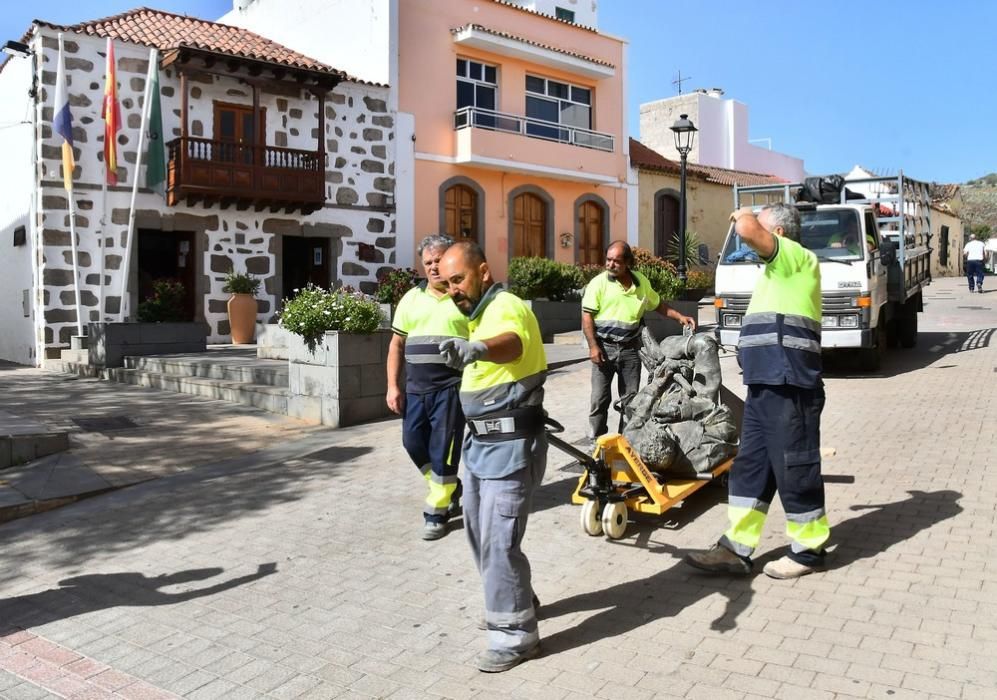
479,118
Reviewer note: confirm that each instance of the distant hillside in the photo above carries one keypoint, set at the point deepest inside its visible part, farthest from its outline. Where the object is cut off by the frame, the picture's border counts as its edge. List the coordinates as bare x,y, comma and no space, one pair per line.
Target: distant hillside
980,203
986,181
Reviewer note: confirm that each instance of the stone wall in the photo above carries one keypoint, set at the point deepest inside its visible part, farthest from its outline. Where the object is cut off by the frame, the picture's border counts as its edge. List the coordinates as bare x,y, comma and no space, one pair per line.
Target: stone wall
358,216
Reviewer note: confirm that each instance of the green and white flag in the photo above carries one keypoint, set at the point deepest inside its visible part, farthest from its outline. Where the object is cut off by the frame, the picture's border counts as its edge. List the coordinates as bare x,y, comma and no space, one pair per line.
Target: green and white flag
155,158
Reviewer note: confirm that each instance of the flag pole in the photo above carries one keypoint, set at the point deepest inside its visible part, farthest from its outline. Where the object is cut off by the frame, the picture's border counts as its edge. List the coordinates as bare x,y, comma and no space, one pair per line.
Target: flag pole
126,263
101,243
67,178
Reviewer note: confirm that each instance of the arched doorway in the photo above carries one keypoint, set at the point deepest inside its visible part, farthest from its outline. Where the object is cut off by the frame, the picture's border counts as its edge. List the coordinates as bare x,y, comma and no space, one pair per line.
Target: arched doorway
591,232
460,213
529,226
666,221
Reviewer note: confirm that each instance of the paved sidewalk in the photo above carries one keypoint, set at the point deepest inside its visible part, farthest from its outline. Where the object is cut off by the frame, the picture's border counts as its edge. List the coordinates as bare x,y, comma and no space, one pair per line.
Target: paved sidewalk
298,572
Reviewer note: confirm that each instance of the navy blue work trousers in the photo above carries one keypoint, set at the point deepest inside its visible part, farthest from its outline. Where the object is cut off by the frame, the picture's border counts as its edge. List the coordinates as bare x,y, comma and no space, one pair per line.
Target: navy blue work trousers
432,433
974,273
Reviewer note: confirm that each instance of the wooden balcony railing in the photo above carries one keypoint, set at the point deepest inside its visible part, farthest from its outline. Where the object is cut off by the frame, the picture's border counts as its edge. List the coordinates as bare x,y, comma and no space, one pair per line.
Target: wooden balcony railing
208,170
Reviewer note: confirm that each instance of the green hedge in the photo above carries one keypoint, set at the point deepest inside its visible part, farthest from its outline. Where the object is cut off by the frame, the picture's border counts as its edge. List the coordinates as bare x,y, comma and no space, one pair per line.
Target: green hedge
541,278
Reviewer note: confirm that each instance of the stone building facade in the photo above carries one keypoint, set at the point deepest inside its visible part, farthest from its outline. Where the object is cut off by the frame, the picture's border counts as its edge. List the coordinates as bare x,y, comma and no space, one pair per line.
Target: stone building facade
232,76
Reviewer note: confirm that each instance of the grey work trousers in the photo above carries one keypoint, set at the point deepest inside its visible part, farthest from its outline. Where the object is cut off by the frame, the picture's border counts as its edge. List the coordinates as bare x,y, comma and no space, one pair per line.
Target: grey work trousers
495,515
624,362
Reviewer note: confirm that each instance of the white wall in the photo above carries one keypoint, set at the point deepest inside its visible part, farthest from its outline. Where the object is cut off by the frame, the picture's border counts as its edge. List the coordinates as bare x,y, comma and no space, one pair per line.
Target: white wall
17,341
722,139
351,35
586,11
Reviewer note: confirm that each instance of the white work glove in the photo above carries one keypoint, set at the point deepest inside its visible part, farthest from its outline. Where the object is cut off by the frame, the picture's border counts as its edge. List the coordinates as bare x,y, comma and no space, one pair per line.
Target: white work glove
459,353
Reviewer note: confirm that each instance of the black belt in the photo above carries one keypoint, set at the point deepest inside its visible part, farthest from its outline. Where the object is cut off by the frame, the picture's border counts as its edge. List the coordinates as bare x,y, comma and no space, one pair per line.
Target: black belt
513,424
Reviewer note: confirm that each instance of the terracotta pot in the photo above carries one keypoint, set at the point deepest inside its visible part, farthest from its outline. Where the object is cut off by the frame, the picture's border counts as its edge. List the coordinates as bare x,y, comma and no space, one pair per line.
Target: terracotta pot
242,318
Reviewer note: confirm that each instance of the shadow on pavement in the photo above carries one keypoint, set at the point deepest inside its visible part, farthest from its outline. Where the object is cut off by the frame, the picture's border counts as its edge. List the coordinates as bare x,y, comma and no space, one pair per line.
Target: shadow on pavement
627,606
173,508
91,592
931,347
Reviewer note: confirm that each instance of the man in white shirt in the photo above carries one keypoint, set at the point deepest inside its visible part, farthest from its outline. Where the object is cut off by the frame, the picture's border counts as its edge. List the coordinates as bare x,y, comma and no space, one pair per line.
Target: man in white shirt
973,252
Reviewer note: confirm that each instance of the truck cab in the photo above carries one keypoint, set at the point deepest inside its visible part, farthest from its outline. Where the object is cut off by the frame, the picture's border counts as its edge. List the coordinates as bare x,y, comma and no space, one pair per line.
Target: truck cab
872,272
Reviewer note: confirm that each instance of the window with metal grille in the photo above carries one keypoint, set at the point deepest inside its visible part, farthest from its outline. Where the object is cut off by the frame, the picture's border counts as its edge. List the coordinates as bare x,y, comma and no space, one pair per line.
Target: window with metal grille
477,85
559,103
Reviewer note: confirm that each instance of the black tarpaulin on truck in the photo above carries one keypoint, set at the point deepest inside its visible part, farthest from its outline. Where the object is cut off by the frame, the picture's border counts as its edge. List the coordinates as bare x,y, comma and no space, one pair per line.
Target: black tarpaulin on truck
825,190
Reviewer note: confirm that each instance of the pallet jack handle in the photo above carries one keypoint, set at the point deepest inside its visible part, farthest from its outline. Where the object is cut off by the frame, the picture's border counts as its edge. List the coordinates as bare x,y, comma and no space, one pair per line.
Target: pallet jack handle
552,427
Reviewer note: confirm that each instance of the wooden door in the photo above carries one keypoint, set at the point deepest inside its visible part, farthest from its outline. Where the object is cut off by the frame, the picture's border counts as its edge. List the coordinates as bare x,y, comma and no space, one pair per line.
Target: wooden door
590,234
529,226
460,207
234,128
666,223
305,261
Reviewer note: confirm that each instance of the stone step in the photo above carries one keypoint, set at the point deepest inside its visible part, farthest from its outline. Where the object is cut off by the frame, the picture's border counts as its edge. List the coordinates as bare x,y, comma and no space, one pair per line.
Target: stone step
23,440
263,396
569,338
248,371
78,356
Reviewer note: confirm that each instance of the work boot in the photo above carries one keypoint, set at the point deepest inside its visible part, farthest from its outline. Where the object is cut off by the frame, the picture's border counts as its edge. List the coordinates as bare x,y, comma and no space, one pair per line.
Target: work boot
784,567
719,560
482,625
454,510
433,531
494,661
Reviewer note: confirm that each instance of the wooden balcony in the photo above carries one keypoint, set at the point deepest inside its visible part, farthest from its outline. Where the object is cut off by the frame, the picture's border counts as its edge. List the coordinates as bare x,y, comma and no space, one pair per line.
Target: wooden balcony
209,171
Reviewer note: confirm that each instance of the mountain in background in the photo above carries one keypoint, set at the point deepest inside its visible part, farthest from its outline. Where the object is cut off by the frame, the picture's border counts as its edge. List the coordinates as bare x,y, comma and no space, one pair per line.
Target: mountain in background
980,203
986,181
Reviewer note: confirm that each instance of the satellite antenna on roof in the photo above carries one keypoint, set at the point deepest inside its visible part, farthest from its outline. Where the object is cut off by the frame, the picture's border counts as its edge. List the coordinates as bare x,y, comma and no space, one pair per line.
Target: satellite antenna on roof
679,80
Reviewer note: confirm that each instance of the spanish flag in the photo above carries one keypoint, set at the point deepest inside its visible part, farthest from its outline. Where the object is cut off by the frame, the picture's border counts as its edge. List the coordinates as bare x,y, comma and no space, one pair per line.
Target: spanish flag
111,114
62,122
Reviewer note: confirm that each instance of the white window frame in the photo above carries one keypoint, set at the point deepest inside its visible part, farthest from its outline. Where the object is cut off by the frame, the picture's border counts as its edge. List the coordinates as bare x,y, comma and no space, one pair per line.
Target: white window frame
545,95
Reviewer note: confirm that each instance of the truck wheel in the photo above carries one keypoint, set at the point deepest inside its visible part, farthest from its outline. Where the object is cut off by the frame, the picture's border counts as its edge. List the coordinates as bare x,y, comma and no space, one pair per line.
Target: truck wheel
871,359
892,340
907,325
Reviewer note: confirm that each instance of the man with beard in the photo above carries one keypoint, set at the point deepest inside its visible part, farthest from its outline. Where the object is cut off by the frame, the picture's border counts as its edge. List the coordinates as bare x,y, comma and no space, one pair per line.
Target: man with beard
613,309
433,423
505,451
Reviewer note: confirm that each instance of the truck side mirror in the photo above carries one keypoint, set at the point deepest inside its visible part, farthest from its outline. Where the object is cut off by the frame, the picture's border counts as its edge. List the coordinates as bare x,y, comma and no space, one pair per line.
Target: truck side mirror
887,253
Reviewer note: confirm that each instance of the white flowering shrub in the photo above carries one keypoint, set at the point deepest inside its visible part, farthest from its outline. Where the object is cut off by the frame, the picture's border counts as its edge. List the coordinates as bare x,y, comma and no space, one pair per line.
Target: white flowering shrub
315,310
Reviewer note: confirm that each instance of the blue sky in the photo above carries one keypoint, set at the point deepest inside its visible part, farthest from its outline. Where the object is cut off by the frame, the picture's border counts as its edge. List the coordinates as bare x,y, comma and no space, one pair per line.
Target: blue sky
898,84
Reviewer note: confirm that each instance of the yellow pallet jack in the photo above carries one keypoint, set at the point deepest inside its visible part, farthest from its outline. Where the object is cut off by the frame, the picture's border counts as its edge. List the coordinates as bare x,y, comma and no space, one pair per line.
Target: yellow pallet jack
617,481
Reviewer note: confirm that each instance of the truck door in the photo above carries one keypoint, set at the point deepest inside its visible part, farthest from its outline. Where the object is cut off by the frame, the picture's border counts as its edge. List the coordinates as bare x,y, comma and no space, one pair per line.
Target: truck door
877,272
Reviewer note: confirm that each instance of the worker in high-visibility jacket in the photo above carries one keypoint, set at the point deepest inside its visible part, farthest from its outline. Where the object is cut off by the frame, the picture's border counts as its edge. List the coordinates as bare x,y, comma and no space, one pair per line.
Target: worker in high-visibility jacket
780,354
613,309
433,423
505,451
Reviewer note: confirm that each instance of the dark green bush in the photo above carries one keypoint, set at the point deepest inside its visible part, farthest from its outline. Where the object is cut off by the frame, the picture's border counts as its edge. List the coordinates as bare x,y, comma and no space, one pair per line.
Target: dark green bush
167,303
541,278
392,285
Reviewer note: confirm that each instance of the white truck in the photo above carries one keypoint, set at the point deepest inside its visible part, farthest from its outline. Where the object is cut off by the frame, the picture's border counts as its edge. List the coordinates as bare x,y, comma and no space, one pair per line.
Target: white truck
873,244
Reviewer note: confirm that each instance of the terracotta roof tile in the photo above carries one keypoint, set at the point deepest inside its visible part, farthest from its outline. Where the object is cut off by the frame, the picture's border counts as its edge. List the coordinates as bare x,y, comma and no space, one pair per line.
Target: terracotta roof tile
643,157
531,42
165,30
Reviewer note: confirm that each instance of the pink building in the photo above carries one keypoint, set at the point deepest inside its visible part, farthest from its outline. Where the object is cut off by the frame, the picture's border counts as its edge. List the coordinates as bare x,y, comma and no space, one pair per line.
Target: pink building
510,117
519,129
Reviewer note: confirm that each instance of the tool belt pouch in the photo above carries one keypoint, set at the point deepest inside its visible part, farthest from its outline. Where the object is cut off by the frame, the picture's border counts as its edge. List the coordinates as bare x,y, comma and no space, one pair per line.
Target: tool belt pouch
514,424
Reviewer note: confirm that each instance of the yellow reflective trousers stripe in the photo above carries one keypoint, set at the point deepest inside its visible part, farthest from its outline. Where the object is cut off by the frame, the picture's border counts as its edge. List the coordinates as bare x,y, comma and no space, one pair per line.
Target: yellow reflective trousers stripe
810,535
746,525
439,495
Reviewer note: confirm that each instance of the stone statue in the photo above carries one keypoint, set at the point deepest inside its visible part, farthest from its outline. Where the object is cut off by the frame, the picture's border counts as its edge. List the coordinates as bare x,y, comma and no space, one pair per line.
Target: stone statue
676,422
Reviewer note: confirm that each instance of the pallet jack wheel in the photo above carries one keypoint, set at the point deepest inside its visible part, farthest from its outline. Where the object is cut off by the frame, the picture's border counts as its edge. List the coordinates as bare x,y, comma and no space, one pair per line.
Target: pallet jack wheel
614,520
590,518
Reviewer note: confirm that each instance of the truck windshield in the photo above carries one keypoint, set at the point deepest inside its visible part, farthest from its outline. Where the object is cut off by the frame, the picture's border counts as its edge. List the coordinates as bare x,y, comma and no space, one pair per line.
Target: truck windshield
833,234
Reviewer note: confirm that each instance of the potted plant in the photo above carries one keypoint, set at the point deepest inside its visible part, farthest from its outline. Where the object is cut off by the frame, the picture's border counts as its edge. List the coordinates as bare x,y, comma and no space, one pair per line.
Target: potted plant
241,305
336,355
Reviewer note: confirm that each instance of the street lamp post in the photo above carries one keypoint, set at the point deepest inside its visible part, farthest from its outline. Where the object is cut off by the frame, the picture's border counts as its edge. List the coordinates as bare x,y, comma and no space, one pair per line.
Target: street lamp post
685,134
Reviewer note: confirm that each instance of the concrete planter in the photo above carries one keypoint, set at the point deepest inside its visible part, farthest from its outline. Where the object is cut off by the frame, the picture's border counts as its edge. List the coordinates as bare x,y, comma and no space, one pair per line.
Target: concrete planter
341,381
272,341
109,343
556,317
662,327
